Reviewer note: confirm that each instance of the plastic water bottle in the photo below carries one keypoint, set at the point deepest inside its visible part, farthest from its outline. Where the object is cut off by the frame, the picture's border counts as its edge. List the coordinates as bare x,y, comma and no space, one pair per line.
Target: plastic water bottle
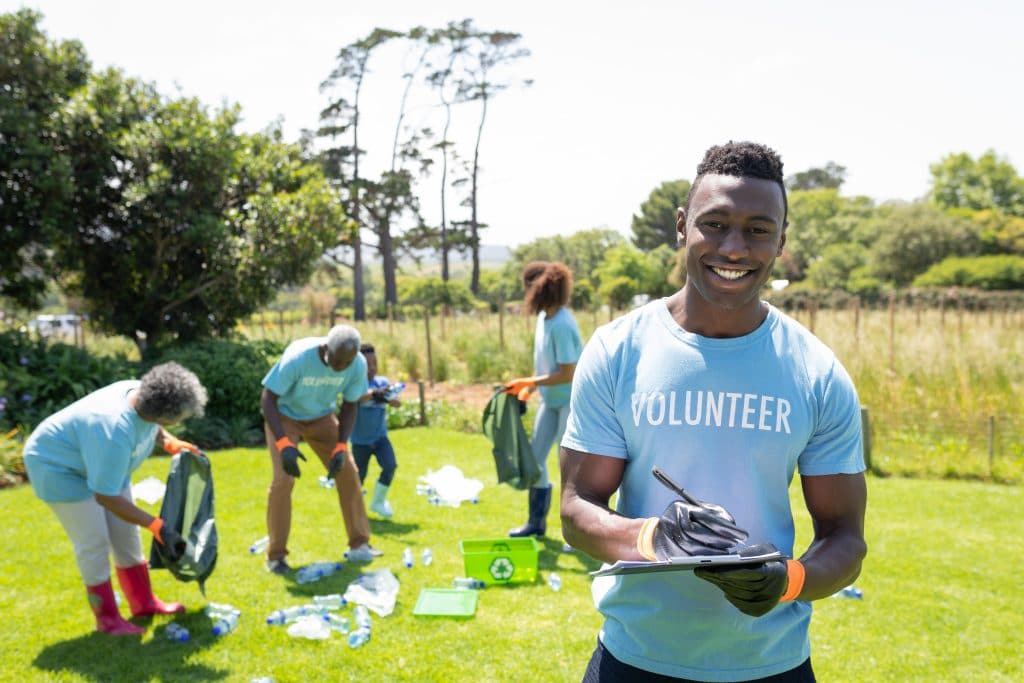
339,624
215,609
359,637
259,545
361,616
468,583
407,558
426,557
316,571
324,482
286,615
851,591
394,390
424,489
225,623
555,582
330,602
176,632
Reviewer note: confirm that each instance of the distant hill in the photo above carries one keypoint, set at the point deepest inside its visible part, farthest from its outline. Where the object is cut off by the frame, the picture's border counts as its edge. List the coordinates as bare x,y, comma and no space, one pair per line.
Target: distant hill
491,255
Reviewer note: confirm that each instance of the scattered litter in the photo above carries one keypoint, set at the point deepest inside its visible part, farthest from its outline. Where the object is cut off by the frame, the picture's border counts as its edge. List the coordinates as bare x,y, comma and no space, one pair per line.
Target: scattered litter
377,590
449,487
149,490
312,627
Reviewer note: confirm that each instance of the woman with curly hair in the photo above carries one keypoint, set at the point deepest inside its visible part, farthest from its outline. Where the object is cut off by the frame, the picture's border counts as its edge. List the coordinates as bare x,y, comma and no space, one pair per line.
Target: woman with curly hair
556,348
80,461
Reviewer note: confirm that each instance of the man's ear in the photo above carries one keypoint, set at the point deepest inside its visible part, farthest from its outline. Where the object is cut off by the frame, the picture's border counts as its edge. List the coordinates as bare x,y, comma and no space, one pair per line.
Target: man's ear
782,241
681,227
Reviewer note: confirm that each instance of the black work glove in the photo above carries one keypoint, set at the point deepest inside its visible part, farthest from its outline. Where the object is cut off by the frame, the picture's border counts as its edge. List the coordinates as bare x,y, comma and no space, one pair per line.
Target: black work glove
337,460
290,460
380,395
753,589
174,545
692,527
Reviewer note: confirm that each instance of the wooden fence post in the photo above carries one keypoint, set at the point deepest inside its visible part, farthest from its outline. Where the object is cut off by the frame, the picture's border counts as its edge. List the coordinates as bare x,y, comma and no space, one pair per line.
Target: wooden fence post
501,322
430,354
423,403
865,430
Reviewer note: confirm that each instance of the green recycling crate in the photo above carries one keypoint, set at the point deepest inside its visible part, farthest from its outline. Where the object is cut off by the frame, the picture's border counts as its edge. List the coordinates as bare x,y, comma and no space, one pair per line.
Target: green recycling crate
501,560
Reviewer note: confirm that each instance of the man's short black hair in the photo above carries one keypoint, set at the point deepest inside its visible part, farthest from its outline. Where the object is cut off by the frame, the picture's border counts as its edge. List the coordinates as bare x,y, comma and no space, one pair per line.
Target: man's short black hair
366,348
743,160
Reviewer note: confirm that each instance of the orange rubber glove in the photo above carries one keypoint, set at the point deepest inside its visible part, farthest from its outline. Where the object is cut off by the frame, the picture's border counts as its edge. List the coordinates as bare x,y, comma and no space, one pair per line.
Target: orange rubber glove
174,445
516,386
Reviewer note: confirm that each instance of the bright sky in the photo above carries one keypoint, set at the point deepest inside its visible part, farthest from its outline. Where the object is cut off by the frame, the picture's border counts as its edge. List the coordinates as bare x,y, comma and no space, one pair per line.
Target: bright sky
625,95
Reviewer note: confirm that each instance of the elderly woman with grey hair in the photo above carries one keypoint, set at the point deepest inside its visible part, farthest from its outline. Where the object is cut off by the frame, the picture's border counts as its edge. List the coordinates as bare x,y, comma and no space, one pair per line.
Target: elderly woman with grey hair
80,460
299,401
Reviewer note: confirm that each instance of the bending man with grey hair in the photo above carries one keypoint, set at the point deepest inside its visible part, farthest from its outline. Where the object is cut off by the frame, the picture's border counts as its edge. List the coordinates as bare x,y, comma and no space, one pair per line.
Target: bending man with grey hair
80,461
300,395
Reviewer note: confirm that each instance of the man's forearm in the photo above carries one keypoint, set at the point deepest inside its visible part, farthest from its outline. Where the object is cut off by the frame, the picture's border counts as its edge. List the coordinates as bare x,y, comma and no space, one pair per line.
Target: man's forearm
346,421
125,509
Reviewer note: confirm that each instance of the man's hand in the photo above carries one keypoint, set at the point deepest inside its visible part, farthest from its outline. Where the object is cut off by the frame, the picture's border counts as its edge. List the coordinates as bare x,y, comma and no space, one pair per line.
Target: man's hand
174,445
290,455
756,589
174,545
337,460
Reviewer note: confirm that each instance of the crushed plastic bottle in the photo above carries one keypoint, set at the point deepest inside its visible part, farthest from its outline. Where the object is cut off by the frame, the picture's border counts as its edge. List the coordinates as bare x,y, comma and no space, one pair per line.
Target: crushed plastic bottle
177,633
330,602
468,583
214,609
426,557
554,582
287,615
851,591
316,571
225,623
259,545
339,624
262,679
359,637
325,483
361,615
407,558
424,490
311,627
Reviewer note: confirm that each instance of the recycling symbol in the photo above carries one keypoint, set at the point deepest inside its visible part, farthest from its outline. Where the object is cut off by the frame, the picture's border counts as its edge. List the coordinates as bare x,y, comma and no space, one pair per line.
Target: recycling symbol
502,569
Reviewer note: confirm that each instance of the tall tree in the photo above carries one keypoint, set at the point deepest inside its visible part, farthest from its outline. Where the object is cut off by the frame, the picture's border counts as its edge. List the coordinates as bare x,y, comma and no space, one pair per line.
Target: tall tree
988,182
831,176
183,226
454,40
818,219
488,53
656,223
341,118
36,185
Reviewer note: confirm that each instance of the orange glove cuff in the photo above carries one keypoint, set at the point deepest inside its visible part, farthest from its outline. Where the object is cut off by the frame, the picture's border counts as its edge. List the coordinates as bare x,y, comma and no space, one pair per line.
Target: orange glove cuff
283,443
645,539
342,446
796,573
155,526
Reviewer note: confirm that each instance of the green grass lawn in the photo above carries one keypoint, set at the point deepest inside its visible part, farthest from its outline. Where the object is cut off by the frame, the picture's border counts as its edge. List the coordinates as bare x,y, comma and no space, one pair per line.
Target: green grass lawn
941,588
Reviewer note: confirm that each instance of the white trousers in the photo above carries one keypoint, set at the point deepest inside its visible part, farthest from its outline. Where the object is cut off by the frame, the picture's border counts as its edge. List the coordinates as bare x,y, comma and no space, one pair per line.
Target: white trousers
95,532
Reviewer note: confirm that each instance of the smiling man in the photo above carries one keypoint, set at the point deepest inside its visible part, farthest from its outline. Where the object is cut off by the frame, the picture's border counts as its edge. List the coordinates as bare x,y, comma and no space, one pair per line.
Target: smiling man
300,395
729,397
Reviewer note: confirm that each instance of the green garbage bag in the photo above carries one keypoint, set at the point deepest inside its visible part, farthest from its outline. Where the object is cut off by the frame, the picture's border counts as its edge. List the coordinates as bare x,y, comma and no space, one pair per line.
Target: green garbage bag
513,457
188,508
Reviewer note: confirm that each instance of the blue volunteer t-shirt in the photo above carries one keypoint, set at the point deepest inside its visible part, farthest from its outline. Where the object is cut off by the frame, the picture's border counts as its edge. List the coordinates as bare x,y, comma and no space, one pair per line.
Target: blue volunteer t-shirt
91,446
372,419
308,388
730,420
556,342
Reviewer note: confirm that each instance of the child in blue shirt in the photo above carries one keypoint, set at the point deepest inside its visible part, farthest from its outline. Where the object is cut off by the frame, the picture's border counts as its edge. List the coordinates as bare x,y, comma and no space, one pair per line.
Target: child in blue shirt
370,436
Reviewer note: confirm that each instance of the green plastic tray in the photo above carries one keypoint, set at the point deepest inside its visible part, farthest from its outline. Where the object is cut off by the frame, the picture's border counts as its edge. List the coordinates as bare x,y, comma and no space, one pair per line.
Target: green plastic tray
446,602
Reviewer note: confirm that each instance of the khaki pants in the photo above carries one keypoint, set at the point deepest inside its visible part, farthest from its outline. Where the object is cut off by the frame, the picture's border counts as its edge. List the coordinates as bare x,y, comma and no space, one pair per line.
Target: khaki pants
322,436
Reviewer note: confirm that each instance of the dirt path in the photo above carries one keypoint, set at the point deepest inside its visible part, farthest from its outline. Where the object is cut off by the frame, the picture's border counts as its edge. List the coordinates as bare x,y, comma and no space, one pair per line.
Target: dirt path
471,395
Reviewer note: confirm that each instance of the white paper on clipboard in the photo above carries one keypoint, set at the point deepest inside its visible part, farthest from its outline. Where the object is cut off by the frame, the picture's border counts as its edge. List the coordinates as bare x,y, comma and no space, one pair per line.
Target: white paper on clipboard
686,563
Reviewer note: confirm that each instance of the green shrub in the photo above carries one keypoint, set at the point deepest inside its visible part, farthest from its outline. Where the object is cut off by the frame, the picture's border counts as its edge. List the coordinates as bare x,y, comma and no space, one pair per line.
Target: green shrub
37,378
231,371
12,465
984,272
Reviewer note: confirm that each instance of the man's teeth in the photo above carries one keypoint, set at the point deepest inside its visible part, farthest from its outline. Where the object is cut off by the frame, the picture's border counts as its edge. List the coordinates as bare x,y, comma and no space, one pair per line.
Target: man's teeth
730,274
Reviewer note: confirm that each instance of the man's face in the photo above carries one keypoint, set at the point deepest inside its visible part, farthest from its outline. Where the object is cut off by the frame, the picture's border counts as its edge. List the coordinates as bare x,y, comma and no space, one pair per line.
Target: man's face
371,365
341,359
733,231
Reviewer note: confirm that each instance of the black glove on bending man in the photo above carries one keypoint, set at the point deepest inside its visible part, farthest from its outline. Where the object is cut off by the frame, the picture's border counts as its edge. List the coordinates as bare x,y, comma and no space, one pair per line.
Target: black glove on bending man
290,455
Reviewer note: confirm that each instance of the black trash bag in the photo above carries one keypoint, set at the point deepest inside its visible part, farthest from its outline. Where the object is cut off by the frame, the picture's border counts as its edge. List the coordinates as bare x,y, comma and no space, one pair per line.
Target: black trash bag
188,508
513,457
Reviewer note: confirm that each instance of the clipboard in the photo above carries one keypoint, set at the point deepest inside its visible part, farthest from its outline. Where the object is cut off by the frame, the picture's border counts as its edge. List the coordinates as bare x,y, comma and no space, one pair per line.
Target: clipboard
687,563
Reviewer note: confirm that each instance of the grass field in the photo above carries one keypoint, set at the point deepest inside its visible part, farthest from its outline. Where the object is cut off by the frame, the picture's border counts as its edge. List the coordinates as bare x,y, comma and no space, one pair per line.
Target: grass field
941,588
